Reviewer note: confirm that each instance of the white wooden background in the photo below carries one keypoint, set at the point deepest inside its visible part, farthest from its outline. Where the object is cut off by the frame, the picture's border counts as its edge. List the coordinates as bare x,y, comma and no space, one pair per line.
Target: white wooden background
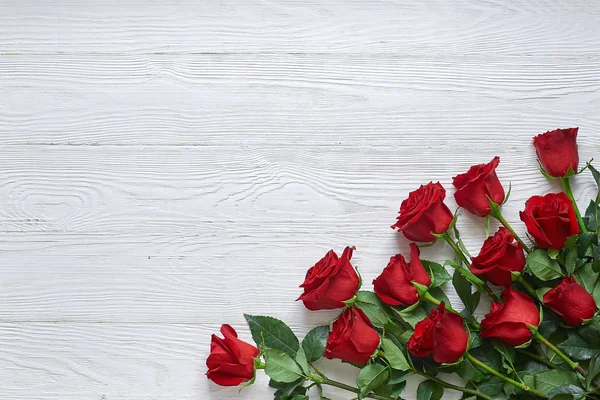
166,166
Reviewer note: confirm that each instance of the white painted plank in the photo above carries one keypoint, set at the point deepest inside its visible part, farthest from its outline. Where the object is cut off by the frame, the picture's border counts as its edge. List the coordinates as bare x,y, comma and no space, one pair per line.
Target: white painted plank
305,100
523,27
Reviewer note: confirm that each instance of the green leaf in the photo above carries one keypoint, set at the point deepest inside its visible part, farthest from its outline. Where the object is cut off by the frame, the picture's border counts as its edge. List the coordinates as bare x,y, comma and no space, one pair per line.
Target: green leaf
491,386
566,392
372,307
542,266
586,277
412,317
463,289
592,371
585,242
469,373
285,390
576,347
570,260
438,273
394,356
547,381
277,335
314,343
488,355
370,377
596,176
429,390
302,361
591,216
280,367
300,397
591,332
439,294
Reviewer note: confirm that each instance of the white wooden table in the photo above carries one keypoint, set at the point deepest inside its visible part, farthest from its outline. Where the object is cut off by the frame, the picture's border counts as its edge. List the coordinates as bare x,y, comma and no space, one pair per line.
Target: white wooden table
166,166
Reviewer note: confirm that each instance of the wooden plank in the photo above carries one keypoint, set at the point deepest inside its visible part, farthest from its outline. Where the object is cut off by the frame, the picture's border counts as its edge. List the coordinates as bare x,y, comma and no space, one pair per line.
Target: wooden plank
309,100
546,27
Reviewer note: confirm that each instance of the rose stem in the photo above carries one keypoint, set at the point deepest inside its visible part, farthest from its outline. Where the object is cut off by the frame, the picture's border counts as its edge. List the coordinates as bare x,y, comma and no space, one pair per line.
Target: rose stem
562,355
454,387
349,388
567,185
527,286
471,277
498,215
492,371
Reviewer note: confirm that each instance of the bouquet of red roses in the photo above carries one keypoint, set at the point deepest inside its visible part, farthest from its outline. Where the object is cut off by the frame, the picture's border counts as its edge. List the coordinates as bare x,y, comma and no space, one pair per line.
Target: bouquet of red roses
540,339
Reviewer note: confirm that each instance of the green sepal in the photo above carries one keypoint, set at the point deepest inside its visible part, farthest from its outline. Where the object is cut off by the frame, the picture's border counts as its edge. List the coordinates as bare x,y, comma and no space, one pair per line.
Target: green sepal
570,172
421,289
349,303
524,345
515,276
507,194
548,176
494,207
437,235
553,253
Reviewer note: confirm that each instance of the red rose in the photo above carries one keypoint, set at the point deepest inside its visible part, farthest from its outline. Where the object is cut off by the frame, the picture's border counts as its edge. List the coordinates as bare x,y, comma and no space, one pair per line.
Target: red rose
557,151
442,334
330,282
424,212
231,361
550,219
571,301
508,321
352,337
394,285
499,255
477,185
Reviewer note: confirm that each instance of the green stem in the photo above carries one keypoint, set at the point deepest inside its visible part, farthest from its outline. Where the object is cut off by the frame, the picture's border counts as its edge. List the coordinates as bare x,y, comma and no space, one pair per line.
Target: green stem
468,274
352,389
454,387
559,353
505,378
527,286
498,215
569,192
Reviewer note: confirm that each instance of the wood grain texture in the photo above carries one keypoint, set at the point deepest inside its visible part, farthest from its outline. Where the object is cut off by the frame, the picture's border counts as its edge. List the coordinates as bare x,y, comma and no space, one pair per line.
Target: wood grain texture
165,167
540,27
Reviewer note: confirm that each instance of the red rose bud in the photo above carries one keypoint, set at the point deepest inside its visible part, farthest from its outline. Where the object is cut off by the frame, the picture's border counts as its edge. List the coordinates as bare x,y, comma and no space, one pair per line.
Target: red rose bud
550,219
509,321
330,282
424,212
352,337
442,334
479,184
571,301
498,257
557,151
231,361
394,285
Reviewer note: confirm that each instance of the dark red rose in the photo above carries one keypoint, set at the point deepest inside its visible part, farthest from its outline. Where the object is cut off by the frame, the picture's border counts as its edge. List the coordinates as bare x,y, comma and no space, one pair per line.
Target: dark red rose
442,334
550,219
508,321
352,337
479,184
231,360
571,301
557,151
330,282
394,285
424,212
499,255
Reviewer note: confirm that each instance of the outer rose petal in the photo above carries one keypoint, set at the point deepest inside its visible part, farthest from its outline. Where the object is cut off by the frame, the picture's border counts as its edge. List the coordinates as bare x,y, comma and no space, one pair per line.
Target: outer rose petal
478,184
394,285
512,333
352,338
418,272
330,282
557,151
231,360
451,339
571,301
499,255
550,219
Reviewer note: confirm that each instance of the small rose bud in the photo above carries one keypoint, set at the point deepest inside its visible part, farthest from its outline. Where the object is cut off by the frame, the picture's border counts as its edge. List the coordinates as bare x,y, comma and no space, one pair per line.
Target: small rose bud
352,337
571,301
394,285
231,360
557,151
498,257
330,282
508,321
550,219
475,187
424,212
442,334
